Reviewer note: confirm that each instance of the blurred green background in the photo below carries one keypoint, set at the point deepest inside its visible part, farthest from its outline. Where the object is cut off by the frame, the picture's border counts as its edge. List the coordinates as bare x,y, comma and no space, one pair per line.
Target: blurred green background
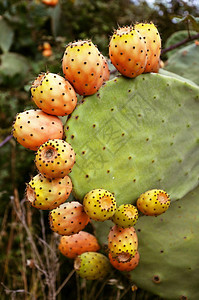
25,28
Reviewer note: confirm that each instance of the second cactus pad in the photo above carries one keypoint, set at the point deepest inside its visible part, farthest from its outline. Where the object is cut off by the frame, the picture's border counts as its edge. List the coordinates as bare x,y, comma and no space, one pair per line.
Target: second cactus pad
135,135
184,62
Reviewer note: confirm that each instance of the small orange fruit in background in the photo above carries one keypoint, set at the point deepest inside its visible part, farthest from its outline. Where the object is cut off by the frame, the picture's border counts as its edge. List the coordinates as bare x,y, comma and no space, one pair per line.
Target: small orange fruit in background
50,2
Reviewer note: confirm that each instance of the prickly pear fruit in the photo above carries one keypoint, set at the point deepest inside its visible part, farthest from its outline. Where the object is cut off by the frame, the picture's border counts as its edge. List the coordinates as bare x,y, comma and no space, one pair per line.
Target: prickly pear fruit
46,46
126,215
32,128
99,204
47,194
126,266
68,218
55,158
122,243
127,51
73,245
47,52
92,265
83,67
53,94
150,34
50,2
153,202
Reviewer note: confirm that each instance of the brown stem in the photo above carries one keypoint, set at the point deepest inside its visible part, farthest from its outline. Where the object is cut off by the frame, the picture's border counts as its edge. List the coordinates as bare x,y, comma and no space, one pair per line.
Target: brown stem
183,42
4,222
64,282
23,255
9,247
43,229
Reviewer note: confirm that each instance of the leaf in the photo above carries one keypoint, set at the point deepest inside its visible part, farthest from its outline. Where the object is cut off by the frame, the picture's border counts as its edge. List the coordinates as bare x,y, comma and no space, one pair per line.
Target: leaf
194,21
55,15
6,35
13,64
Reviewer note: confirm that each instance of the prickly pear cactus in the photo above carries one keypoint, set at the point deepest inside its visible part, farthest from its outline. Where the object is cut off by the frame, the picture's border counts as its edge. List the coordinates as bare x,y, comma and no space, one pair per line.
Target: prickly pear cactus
135,135
185,62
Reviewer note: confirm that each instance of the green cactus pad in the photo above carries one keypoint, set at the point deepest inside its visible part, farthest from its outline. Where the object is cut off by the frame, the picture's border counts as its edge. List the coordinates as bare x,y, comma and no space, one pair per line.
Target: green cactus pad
135,135
168,247
185,62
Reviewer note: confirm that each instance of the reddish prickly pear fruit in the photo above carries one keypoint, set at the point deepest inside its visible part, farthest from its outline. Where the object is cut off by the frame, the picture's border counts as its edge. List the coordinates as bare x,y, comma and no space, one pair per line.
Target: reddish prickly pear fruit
55,158
53,94
127,51
83,67
47,194
126,266
99,204
73,245
32,128
68,218
153,202
126,215
153,43
92,265
106,71
122,243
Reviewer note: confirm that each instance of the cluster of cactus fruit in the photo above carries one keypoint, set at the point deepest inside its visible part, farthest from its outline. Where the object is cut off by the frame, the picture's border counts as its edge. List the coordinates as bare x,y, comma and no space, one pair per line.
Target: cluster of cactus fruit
114,154
132,50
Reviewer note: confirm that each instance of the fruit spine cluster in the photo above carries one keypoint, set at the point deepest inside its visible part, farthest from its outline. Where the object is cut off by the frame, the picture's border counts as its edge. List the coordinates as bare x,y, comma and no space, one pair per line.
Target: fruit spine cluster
133,51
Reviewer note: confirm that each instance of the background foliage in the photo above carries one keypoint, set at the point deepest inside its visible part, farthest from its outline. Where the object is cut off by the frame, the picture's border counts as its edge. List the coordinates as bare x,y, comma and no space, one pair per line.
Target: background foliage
24,27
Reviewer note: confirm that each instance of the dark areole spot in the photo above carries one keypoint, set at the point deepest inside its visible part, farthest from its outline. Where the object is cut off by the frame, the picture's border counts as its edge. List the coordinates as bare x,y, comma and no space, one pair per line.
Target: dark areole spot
156,279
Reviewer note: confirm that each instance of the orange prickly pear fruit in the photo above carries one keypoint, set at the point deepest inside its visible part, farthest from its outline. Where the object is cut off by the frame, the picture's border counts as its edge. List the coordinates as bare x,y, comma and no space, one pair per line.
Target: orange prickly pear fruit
46,46
50,2
126,266
82,66
73,245
32,128
153,43
68,218
128,52
47,52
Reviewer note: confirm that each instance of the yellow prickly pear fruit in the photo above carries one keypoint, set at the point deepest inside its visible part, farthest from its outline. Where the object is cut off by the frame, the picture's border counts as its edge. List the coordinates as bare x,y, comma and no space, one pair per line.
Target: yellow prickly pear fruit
126,215
46,194
153,202
99,204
